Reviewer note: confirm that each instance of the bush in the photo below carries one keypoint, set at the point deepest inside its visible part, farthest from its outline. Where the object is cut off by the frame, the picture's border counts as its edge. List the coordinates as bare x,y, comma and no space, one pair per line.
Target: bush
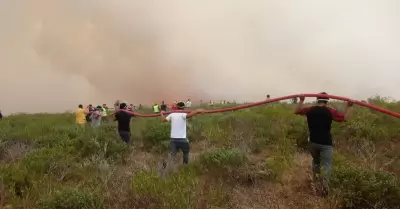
71,198
362,188
223,158
154,134
152,191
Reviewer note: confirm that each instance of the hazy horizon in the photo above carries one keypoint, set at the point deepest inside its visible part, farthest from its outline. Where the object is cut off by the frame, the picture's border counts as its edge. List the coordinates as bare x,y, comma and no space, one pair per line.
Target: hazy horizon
57,54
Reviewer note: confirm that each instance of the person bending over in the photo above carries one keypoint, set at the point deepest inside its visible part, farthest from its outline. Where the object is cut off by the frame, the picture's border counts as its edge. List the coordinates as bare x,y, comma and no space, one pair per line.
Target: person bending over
124,120
319,120
179,140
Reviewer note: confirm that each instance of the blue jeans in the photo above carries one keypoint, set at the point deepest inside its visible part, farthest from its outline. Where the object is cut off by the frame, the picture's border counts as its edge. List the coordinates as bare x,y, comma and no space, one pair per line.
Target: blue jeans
322,157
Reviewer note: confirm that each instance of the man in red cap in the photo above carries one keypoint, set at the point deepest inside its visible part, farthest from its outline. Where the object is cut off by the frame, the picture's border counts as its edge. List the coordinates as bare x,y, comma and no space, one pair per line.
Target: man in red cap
319,120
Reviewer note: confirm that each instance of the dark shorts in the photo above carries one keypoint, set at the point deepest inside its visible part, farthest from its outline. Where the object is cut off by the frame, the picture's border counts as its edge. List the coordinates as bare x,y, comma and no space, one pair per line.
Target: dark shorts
125,136
180,144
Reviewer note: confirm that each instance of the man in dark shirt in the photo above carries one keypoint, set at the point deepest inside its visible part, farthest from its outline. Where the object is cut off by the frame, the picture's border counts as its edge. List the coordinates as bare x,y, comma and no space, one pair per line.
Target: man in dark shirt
163,106
124,119
319,120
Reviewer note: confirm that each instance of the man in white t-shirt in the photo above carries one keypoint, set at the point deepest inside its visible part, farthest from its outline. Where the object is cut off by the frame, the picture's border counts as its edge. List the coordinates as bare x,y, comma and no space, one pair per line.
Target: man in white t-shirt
178,131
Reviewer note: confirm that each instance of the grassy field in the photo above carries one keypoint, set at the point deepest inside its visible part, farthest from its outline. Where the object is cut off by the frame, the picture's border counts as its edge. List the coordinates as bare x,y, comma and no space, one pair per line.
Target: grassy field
253,158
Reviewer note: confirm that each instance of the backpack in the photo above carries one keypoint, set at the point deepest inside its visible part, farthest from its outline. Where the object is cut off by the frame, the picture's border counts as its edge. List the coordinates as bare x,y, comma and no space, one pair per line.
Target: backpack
88,118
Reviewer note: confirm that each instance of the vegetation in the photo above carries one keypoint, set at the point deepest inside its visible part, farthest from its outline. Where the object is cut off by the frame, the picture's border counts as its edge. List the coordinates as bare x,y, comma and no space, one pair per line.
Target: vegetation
253,158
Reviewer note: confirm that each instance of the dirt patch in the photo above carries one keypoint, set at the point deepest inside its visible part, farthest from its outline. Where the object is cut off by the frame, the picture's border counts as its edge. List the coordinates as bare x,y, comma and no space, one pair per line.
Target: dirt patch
14,149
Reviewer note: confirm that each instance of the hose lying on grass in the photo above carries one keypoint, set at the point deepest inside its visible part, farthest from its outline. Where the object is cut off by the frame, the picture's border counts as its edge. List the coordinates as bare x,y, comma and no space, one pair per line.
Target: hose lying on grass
239,107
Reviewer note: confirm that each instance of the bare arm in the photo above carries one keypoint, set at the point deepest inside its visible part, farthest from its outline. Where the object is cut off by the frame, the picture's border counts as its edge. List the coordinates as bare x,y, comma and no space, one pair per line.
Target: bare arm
163,118
193,113
299,106
347,110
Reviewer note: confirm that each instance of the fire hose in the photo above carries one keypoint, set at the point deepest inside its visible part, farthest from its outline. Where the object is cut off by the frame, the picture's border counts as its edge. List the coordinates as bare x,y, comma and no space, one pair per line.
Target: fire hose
254,104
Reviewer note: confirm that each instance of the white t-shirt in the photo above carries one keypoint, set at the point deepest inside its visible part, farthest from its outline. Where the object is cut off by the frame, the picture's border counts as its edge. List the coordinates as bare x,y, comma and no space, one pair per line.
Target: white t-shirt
178,125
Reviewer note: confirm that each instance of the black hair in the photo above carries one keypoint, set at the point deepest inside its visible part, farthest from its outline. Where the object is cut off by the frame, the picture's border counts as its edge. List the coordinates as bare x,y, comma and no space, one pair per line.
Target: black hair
122,105
180,105
80,106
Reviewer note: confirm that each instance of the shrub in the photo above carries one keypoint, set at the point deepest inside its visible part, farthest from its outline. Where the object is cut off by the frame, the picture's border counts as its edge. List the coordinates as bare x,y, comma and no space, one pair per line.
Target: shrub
362,188
71,198
176,191
223,158
154,134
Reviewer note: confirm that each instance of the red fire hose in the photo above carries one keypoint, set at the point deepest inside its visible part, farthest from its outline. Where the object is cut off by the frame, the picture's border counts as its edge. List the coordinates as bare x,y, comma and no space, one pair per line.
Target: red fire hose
388,112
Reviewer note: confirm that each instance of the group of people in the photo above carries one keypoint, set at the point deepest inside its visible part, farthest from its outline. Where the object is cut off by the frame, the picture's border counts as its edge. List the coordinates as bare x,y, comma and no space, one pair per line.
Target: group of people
319,120
174,106
90,114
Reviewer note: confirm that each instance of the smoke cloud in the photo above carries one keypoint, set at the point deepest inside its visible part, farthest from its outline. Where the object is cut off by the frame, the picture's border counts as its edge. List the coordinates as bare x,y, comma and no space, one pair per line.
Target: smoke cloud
56,54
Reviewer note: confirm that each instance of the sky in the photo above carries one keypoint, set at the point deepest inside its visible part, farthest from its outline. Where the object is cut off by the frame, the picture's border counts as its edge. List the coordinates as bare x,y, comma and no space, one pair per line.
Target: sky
56,54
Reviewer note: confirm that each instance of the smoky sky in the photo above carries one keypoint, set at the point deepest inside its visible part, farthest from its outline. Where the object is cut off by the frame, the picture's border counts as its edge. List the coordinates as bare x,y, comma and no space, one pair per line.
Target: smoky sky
56,54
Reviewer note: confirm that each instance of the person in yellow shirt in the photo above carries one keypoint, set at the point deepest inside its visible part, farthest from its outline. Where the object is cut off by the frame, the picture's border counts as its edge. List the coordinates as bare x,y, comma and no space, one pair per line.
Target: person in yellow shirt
80,116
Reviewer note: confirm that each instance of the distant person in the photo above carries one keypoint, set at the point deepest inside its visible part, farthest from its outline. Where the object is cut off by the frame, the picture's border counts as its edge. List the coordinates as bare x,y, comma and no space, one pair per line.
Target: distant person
116,105
188,103
124,120
163,106
211,103
95,117
1,115
295,100
156,108
80,116
178,135
268,96
91,108
105,106
319,120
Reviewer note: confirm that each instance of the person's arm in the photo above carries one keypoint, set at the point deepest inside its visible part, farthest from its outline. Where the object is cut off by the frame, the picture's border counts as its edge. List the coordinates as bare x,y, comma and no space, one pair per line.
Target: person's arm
299,105
163,118
300,110
115,116
347,110
193,113
131,112
339,116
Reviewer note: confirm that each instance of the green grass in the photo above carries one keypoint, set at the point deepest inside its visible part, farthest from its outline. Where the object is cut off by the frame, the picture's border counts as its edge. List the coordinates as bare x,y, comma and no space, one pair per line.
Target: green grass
253,158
